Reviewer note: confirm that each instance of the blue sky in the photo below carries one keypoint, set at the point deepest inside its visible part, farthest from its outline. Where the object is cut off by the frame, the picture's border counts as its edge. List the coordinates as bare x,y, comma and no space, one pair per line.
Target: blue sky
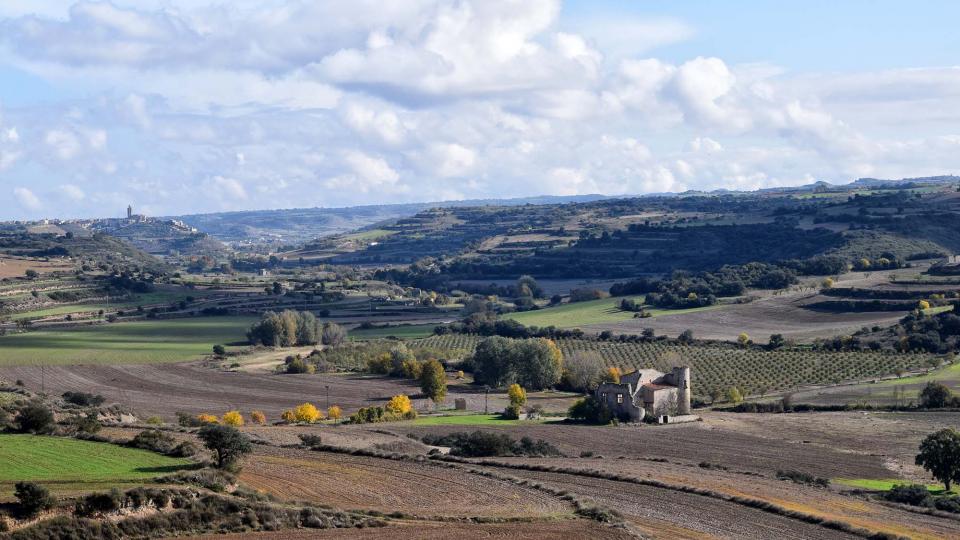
184,106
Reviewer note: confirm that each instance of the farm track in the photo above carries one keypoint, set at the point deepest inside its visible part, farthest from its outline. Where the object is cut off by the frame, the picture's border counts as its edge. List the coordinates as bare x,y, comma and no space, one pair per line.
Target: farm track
365,483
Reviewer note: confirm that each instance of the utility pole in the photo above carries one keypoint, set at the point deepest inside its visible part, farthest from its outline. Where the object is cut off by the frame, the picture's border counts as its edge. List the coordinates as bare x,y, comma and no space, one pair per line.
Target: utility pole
43,380
486,399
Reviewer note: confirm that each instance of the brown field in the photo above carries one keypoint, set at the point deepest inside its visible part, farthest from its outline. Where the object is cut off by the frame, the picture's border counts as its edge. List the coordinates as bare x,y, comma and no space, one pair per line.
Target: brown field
366,483
712,441
771,315
164,389
431,530
11,266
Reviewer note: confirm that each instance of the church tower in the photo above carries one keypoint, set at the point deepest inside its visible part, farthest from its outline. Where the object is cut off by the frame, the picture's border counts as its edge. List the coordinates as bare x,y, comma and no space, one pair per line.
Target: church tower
129,211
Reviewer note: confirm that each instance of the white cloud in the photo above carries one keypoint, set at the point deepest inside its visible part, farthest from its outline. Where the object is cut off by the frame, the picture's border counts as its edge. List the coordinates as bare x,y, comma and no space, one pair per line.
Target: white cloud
191,106
27,199
72,192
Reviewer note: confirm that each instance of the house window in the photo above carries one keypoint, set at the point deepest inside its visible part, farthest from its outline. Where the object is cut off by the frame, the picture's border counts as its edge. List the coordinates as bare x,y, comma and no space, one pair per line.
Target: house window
619,398
603,396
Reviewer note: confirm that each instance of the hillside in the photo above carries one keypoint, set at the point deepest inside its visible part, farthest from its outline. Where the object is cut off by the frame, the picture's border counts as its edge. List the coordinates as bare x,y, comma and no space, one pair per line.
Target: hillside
73,250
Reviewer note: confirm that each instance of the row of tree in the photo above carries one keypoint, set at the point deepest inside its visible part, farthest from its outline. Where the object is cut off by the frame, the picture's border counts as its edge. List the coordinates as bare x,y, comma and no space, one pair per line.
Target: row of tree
294,328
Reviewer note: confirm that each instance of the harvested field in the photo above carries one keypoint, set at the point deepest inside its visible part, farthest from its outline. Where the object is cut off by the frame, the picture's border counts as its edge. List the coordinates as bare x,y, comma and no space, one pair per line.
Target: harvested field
13,267
666,513
164,389
366,483
691,443
825,503
427,530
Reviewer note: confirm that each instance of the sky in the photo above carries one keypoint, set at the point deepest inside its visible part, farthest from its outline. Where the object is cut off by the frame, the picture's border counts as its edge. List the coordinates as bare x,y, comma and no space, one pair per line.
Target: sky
191,106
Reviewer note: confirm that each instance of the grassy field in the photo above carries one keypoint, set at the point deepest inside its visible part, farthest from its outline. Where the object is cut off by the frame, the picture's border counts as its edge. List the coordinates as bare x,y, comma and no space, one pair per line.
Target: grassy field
64,464
601,311
146,299
882,485
123,343
413,331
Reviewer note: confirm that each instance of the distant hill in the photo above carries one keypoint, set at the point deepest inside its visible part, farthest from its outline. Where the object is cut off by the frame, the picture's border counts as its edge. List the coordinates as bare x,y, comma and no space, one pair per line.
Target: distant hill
299,225
96,248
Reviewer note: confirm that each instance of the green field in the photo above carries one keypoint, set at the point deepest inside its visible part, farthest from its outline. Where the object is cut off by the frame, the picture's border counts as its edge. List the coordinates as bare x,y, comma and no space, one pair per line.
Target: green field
413,331
123,343
146,299
578,314
64,464
882,485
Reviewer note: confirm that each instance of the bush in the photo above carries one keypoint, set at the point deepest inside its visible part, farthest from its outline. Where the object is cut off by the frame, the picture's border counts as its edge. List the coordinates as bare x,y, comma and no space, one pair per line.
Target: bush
914,494
232,418
296,364
83,399
32,498
35,417
257,417
307,412
399,404
798,477
487,444
153,440
310,440
99,503
590,410
188,420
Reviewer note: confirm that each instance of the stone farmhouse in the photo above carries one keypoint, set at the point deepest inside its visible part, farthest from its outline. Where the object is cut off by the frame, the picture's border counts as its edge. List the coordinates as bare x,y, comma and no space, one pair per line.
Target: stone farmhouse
647,391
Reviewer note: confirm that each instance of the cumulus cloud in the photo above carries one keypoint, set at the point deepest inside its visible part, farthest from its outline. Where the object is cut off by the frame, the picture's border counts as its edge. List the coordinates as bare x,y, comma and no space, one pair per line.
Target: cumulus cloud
191,106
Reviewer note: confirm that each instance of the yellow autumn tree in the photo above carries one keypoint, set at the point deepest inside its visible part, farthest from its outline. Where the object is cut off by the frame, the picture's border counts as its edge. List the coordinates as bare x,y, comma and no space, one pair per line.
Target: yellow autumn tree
613,374
334,413
288,416
923,304
307,412
517,395
208,418
556,356
399,404
257,417
743,339
232,418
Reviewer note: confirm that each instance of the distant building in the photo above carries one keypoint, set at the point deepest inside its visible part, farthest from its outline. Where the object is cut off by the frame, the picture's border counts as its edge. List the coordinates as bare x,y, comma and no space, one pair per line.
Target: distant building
129,211
647,391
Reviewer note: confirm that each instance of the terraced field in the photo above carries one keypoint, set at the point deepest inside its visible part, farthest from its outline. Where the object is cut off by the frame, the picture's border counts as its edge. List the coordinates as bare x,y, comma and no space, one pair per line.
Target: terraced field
753,371
142,342
70,465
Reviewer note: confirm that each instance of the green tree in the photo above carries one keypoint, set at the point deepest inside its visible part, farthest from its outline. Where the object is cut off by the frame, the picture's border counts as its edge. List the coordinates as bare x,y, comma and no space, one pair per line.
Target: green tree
528,286
35,417
935,395
734,395
226,442
776,341
433,381
940,455
219,350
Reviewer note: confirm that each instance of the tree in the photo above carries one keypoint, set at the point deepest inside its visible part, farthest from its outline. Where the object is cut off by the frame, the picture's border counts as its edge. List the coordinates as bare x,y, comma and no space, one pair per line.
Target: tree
433,381
827,283
333,334
335,413
743,340
32,498
288,416
686,336
734,395
219,350
35,417
31,274
527,286
582,371
307,412
940,455
613,375
936,395
232,418
228,444
776,341
517,395
399,404
207,418
923,305
257,417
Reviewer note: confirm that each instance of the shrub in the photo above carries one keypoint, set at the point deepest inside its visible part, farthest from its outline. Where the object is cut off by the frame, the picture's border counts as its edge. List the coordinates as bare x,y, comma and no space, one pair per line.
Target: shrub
32,498
487,444
288,416
188,420
936,395
184,449
99,503
296,364
307,412
913,494
35,417
206,418
83,399
257,417
232,418
310,440
590,410
798,477
153,440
